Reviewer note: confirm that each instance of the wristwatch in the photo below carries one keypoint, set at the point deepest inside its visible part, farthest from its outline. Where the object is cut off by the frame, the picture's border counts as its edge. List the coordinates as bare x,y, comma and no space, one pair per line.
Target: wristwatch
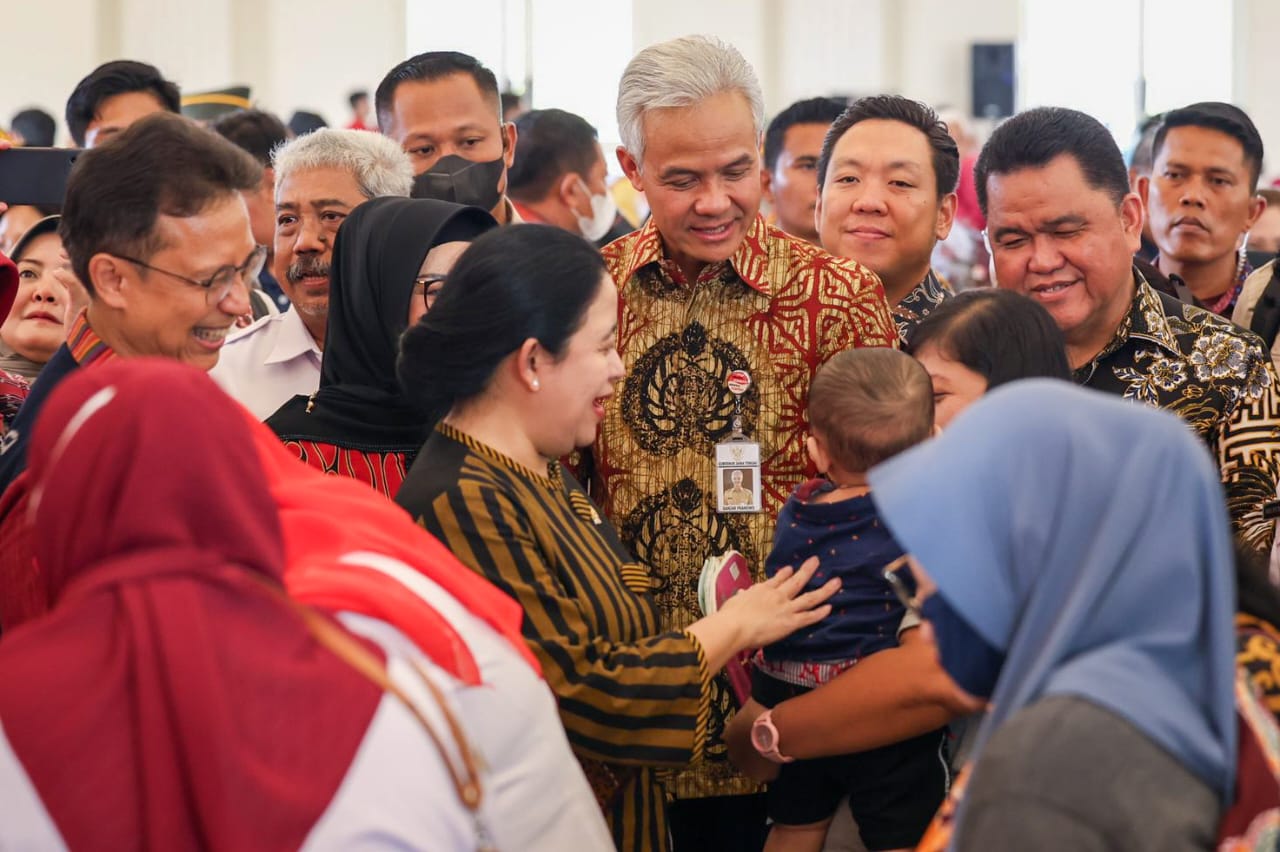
764,736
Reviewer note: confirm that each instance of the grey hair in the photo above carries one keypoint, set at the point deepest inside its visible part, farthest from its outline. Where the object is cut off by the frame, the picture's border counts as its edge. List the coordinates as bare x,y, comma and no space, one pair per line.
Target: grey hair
376,162
680,73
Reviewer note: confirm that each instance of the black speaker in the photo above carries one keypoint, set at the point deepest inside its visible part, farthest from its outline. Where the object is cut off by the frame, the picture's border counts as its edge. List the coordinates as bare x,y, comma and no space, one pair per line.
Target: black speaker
993,80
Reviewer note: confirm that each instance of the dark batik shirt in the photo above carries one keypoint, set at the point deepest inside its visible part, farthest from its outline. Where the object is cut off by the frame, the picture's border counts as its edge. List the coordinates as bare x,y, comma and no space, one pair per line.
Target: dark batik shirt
633,697
923,300
1214,375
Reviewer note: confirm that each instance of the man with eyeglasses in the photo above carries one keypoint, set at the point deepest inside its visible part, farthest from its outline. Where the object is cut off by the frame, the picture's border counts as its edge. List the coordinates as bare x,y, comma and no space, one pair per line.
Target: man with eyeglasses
320,178
156,230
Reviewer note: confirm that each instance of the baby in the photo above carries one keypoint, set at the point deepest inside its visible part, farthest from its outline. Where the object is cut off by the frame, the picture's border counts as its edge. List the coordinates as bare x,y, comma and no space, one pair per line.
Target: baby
865,406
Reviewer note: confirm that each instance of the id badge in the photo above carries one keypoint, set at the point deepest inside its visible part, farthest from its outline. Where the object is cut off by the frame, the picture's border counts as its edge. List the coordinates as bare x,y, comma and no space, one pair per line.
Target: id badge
738,476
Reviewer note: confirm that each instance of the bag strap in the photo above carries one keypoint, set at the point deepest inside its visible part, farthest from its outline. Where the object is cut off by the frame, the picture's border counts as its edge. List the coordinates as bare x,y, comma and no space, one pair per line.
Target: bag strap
1266,313
466,783
346,648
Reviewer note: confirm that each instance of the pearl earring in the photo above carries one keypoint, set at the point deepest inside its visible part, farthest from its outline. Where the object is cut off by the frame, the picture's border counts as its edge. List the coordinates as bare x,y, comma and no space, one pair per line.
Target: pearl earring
536,385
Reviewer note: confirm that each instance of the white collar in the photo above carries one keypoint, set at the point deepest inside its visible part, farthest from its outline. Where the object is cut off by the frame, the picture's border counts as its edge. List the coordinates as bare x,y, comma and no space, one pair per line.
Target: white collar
292,339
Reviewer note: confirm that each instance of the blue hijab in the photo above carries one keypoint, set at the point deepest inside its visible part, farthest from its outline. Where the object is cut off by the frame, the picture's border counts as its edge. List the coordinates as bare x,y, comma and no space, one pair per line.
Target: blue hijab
1087,538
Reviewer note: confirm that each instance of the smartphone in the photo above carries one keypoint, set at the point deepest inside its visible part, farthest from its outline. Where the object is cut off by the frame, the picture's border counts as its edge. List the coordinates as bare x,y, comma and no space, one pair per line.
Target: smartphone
35,175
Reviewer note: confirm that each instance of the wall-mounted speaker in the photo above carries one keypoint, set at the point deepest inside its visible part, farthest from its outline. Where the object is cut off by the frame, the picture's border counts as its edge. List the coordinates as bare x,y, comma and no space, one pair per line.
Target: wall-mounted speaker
993,80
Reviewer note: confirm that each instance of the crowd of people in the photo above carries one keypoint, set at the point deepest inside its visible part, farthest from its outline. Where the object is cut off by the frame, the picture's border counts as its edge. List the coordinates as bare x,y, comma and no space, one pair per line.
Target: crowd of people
357,485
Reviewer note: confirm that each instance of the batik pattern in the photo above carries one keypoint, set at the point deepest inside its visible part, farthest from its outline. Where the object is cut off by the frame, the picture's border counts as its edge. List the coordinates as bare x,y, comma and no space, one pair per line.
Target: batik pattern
384,472
1258,655
925,298
1214,375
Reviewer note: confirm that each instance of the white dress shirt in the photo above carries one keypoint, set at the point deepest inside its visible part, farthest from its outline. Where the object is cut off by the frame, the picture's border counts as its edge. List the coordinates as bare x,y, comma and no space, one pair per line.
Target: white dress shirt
268,363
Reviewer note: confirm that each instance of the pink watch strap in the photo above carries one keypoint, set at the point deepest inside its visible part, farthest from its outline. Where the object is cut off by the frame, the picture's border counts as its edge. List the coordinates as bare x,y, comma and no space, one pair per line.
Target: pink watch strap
764,737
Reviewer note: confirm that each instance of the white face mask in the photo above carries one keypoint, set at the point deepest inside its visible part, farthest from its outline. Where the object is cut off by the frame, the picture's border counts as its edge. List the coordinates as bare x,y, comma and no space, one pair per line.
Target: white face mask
603,212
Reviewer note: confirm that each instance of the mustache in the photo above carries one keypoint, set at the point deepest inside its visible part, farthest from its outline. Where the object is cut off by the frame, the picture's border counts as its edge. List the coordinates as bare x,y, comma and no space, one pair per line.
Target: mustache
308,266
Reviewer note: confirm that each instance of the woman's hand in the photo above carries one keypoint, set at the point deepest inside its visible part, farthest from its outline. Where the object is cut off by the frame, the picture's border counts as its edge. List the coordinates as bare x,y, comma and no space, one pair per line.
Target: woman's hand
775,609
763,614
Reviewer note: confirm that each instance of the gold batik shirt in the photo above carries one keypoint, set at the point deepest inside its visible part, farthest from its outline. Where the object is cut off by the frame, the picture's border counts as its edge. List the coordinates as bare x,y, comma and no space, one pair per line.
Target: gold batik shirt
1214,375
777,309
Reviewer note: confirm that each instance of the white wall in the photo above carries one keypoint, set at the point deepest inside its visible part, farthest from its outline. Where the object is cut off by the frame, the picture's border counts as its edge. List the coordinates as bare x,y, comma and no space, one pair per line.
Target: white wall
61,39
474,27
581,76
320,50
1258,72
933,42
189,42
1106,90
828,47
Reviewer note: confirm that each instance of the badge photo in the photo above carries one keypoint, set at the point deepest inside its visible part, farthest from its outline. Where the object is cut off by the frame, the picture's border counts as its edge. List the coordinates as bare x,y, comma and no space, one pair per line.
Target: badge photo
738,477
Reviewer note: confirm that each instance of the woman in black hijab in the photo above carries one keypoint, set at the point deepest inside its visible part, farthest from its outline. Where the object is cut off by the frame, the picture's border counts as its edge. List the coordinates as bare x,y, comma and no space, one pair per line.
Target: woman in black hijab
389,258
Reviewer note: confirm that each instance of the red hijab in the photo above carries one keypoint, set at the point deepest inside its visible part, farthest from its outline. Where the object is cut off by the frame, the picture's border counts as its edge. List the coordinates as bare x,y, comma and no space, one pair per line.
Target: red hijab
325,517
8,285
171,699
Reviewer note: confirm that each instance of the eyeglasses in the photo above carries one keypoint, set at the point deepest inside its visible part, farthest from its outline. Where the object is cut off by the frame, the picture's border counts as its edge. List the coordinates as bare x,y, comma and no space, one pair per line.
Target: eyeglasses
899,585
218,285
431,284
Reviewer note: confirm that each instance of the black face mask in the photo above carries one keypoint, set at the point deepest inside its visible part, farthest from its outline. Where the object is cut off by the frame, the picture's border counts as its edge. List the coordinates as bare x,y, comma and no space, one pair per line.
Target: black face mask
461,181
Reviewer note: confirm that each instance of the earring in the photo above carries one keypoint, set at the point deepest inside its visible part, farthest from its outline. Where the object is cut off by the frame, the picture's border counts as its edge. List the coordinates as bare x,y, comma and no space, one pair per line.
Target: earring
535,384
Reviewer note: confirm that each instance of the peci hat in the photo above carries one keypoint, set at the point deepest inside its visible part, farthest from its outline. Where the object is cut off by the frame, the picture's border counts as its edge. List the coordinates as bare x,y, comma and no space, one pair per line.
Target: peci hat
214,104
